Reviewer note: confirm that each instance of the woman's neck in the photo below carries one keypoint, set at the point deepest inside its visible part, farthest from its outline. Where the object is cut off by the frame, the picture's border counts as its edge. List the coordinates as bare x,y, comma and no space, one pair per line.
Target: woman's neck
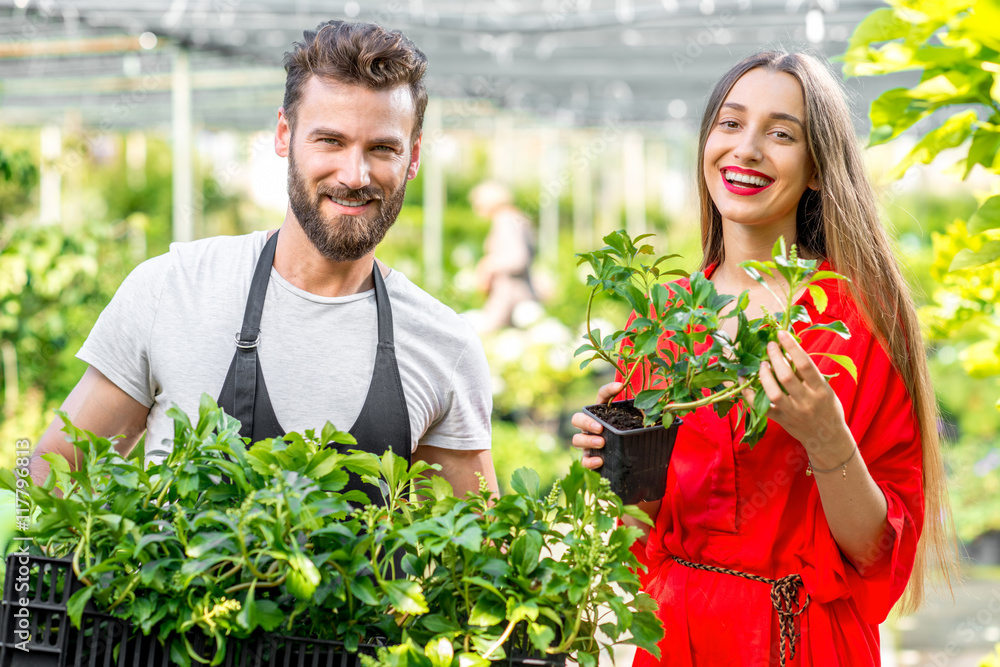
744,243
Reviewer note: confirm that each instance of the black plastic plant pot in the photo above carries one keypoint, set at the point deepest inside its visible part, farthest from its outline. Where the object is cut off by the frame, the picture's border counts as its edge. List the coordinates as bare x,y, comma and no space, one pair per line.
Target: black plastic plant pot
635,460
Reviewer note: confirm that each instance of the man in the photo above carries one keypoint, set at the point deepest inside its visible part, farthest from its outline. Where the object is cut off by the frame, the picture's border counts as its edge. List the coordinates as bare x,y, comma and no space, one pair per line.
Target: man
337,335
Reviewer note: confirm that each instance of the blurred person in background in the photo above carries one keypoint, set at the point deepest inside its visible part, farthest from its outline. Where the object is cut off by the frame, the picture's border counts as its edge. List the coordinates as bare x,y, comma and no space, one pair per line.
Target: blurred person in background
504,272
794,552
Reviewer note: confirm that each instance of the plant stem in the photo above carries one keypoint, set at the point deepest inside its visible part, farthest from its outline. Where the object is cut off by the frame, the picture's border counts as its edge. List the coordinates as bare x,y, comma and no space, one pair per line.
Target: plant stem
590,336
247,584
627,378
708,400
128,589
506,633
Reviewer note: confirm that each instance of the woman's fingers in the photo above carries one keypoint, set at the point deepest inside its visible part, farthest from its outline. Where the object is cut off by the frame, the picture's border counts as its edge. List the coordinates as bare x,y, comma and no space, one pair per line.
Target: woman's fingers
805,367
590,437
609,391
770,384
587,441
783,371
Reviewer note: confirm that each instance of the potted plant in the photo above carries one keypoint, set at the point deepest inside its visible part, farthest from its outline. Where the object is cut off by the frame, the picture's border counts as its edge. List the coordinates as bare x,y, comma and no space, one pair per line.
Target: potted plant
675,346
274,564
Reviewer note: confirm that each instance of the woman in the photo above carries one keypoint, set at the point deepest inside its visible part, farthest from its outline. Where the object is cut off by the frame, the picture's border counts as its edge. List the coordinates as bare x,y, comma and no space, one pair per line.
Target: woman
827,514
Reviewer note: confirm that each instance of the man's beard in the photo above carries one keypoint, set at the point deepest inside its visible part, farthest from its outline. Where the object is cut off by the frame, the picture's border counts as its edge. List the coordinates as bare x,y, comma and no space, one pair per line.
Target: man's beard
345,238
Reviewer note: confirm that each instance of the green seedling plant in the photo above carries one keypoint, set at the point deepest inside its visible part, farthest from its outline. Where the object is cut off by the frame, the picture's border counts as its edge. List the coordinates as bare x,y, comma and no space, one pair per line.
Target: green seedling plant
224,541
542,571
674,342
224,538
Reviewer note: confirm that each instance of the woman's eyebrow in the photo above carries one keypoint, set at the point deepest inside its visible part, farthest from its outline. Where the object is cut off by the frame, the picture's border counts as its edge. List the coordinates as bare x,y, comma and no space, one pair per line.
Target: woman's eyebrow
777,115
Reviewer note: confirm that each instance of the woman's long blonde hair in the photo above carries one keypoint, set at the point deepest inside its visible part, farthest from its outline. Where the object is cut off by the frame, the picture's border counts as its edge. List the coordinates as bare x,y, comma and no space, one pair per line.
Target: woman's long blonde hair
841,222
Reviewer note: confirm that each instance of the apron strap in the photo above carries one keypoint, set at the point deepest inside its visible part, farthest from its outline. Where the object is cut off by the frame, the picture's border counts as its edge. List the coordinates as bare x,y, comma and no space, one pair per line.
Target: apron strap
247,340
384,421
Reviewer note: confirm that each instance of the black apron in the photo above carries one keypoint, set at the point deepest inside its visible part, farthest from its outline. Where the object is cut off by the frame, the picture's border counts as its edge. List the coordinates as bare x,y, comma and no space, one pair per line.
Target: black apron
383,423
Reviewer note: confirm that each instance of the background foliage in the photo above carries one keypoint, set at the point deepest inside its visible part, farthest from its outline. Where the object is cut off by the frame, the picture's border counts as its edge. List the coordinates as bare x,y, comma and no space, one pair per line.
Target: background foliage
954,47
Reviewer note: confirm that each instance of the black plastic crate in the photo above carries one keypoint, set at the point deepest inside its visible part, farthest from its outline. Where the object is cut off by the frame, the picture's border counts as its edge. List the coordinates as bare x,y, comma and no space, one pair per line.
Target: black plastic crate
41,627
46,584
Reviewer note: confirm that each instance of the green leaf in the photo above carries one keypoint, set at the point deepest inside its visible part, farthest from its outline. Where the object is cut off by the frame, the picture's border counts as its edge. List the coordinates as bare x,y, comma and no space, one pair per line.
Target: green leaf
984,149
541,636
950,134
844,361
439,624
247,616
779,249
472,660
709,379
405,596
636,513
440,652
648,398
77,603
826,275
526,551
128,478
363,589
986,217
818,295
967,258
526,482
647,631
880,25
836,327
894,112
299,586
269,614
487,612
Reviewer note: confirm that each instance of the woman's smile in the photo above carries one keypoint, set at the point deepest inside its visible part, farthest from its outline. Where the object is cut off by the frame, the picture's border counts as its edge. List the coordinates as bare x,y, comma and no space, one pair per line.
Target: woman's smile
744,181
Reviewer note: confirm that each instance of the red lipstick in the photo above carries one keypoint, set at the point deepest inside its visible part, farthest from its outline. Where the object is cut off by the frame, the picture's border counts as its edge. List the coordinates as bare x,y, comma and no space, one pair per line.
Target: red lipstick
741,188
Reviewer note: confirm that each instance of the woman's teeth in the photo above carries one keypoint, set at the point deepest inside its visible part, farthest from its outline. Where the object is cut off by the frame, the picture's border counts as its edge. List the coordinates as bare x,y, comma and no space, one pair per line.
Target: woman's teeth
747,179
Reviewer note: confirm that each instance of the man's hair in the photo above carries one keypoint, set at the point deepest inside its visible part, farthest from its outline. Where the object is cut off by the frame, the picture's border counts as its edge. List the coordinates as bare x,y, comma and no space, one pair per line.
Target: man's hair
361,54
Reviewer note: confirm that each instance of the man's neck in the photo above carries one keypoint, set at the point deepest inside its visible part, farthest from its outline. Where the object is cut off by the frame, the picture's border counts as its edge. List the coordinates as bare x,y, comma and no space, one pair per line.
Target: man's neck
299,262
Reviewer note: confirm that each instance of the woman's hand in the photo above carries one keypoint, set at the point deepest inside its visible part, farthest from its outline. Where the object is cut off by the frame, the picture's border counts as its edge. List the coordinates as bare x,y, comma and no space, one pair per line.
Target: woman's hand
591,437
807,408
803,403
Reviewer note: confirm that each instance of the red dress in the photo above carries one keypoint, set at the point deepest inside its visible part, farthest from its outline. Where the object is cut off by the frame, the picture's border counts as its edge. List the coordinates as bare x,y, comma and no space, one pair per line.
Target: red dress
758,512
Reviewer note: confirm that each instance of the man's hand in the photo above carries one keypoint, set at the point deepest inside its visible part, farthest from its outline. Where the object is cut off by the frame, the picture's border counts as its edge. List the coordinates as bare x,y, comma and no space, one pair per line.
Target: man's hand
98,405
459,467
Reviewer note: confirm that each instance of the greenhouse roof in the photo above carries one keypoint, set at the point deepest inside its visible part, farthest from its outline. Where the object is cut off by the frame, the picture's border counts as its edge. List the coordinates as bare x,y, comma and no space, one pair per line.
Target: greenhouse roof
574,62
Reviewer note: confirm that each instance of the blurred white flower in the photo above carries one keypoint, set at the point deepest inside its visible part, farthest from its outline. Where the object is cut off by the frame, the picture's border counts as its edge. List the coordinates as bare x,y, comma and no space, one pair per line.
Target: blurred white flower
527,313
509,345
549,331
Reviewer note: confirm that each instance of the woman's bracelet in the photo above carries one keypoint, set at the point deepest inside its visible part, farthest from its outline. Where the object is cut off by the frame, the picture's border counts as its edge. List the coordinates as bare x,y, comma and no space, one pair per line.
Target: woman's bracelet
810,470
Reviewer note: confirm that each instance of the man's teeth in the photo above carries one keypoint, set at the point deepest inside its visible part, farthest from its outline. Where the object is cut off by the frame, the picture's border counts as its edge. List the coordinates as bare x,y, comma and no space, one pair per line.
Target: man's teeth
349,202
747,179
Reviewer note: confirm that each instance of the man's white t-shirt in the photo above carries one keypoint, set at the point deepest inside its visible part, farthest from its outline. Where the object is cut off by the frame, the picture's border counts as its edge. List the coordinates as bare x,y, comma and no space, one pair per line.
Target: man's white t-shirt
169,335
